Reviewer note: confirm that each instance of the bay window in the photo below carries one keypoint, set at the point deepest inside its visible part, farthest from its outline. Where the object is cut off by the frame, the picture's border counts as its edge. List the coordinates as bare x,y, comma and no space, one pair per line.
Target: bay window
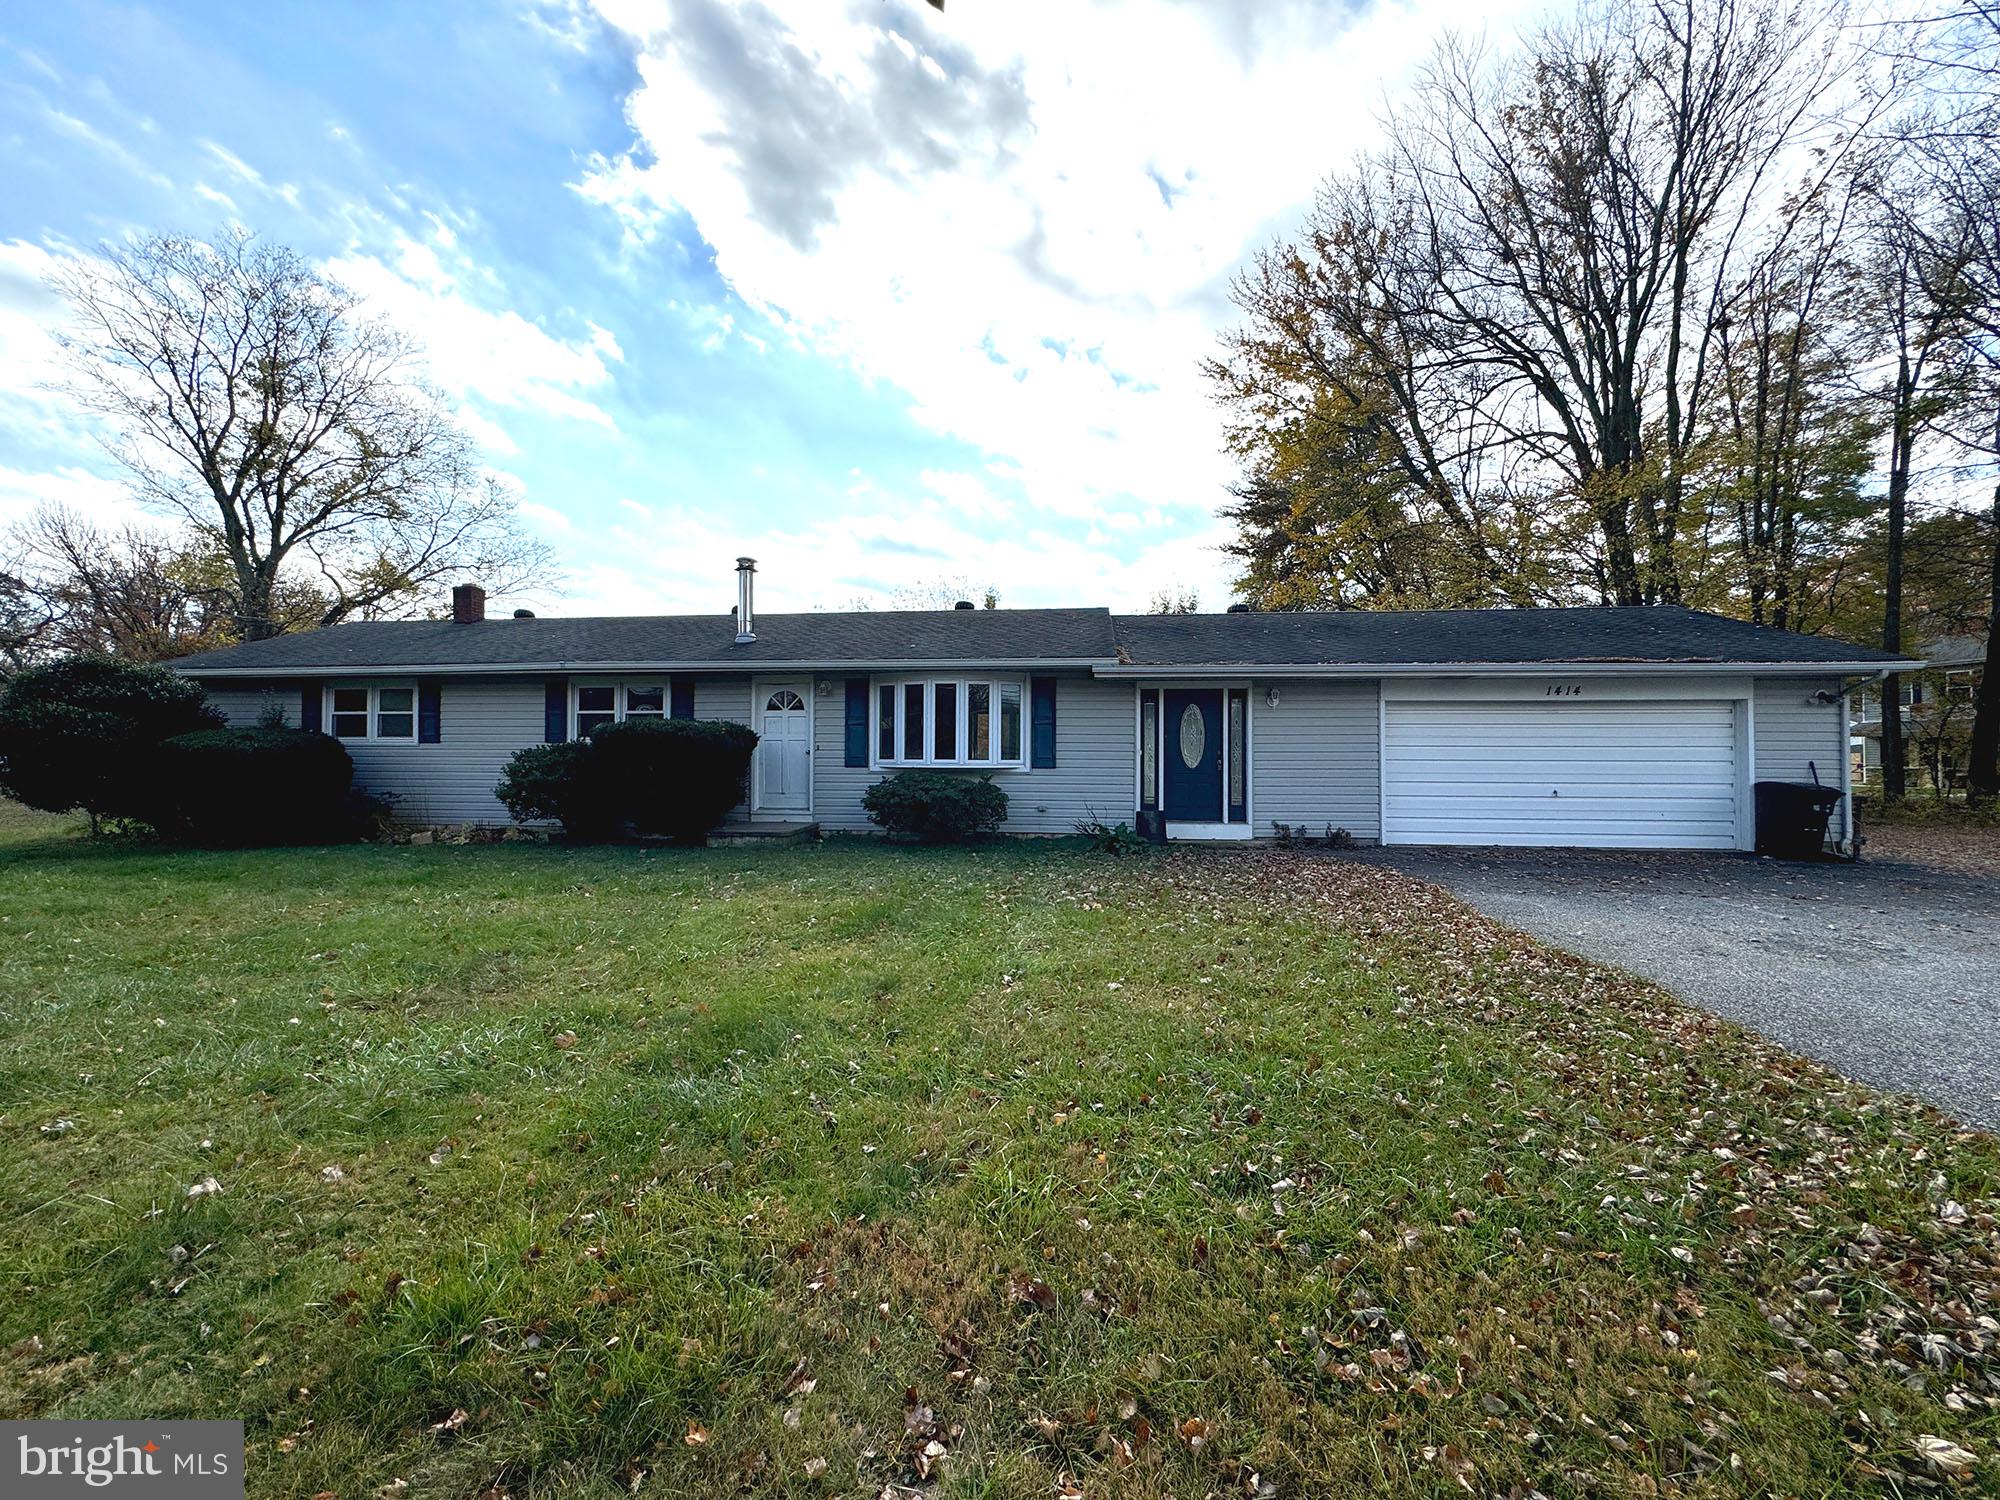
387,713
948,722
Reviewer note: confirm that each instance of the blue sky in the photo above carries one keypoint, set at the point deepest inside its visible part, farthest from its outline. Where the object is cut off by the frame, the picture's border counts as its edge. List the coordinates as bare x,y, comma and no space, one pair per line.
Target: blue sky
883,297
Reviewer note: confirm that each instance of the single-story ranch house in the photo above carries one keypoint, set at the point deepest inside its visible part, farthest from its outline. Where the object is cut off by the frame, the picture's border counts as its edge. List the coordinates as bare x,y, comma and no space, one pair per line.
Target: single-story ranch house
1607,727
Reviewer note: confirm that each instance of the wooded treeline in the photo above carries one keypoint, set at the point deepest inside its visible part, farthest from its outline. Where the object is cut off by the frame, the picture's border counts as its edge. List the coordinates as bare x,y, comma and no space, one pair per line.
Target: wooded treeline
1679,301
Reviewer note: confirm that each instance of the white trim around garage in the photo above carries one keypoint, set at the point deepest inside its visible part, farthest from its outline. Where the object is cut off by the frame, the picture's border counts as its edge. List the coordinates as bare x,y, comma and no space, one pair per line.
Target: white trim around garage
1459,764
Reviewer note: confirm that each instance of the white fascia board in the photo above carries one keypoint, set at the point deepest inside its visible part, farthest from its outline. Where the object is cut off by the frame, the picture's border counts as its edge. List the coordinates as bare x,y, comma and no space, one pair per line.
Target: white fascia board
1240,670
605,668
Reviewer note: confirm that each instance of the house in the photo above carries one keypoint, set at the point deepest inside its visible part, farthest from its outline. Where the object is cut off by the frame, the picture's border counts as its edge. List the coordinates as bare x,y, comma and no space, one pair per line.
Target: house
1938,705
1609,727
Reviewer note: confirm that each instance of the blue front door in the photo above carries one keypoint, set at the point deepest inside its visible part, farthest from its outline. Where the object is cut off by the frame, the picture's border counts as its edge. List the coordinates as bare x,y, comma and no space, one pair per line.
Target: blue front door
1192,752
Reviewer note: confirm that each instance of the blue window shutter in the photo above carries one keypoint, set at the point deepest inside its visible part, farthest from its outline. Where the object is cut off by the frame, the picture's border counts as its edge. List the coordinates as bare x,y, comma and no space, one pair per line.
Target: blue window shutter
1042,723
555,710
310,694
683,696
430,719
857,722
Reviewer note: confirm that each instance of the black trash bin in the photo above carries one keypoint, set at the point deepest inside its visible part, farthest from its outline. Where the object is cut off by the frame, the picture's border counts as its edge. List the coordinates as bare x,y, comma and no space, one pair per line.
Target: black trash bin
1792,818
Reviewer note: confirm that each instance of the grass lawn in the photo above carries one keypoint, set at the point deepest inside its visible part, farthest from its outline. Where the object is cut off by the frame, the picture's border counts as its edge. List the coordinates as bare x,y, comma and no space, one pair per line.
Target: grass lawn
1013,1172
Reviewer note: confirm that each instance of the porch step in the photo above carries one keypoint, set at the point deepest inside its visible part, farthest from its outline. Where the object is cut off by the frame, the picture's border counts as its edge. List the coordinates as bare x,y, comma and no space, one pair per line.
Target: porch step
762,835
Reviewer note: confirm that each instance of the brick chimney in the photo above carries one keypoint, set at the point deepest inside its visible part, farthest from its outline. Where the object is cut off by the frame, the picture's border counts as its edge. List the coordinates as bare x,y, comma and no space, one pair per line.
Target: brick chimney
468,604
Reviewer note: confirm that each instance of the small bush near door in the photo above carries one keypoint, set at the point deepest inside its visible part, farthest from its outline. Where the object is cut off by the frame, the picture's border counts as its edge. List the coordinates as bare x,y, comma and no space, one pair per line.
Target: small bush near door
936,806
676,778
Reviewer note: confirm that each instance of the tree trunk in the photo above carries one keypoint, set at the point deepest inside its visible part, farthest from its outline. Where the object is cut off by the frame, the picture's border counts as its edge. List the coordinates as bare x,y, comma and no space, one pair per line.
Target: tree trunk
1902,441
1983,779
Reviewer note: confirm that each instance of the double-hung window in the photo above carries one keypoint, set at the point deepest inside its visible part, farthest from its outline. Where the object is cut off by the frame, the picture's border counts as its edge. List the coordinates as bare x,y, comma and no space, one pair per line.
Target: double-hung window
608,702
386,713
948,721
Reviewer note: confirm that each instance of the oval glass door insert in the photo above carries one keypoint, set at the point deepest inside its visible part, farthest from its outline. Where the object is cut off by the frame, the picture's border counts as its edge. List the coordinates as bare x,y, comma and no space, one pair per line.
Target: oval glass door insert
1194,736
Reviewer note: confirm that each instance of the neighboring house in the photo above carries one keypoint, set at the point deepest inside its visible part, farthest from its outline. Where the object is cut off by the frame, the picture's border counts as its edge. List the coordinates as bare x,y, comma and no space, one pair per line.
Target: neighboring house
1610,727
1938,704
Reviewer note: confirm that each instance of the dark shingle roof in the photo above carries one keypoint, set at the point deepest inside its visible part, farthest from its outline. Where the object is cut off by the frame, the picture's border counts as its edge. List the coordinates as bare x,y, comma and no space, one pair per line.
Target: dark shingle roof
1657,634
906,635
1648,634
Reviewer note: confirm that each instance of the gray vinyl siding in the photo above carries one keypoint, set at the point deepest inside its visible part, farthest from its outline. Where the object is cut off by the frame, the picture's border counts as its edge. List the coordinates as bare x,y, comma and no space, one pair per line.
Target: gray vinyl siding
244,706
481,722
1316,759
1792,731
1092,776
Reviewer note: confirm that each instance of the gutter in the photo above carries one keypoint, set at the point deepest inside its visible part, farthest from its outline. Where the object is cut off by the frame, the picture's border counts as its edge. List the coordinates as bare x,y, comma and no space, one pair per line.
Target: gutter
1097,667
668,668
1238,670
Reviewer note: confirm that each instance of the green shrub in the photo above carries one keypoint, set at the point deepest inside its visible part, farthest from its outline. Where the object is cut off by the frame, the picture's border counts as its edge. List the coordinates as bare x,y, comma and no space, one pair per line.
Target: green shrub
555,783
674,777
81,733
255,786
938,807
1105,838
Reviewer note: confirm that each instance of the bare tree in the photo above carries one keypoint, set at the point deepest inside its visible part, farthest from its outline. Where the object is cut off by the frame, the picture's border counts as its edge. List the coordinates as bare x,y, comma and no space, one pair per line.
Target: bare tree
254,397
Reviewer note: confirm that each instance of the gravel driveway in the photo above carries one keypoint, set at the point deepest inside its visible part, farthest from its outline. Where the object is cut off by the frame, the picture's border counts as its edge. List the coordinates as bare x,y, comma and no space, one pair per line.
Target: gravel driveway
1888,970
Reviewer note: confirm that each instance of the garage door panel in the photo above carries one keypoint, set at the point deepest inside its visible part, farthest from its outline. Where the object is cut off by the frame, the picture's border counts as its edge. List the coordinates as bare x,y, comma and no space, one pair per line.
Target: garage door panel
1638,775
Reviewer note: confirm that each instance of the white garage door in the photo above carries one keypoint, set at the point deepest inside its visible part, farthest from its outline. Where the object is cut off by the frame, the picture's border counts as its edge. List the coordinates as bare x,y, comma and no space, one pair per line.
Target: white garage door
1597,775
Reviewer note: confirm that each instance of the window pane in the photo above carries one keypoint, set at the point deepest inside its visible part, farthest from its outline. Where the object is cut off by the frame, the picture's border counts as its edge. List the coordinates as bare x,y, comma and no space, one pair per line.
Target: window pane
395,726
595,700
1010,721
395,700
350,726
645,700
885,721
913,721
946,719
350,700
1149,751
1236,709
979,721
587,722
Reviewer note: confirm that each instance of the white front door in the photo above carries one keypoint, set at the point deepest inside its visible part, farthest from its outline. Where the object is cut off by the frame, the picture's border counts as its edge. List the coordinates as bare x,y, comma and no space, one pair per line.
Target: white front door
784,748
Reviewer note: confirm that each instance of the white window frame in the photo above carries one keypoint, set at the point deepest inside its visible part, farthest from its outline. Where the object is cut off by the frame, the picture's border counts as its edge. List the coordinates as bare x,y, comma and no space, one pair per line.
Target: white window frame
621,690
374,690
962,684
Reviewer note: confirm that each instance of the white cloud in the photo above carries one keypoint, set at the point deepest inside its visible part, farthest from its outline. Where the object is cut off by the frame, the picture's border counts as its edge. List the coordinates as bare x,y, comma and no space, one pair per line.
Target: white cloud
874,549
475,350
1023,215
104,501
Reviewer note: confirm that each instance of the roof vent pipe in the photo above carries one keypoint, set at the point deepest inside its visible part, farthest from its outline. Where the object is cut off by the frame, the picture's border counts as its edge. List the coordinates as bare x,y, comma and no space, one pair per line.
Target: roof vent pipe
1239,609
746,577
524,614
963,604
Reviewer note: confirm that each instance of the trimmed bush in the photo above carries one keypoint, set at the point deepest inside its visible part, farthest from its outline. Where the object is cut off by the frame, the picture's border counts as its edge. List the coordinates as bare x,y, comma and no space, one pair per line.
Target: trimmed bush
938,807
254,786
555,783
675,777
81,733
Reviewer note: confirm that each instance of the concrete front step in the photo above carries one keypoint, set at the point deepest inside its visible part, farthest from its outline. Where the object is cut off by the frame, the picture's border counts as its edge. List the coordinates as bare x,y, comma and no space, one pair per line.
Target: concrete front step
761,835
